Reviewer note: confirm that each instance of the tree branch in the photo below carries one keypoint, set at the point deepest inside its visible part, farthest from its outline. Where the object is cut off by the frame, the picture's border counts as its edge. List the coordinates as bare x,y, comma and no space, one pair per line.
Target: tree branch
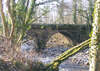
5,28
12,19
32,6
45,2
33,20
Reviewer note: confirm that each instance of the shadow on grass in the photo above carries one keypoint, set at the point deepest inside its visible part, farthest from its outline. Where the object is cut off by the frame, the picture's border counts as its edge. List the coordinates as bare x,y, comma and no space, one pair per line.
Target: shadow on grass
18,66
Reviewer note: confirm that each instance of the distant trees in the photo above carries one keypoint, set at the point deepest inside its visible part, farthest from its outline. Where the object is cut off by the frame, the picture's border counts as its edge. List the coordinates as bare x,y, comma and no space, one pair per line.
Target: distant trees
61,12
83,12
67,12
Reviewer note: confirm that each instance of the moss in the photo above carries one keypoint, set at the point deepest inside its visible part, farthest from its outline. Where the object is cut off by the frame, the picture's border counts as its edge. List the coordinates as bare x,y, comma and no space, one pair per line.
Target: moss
42,27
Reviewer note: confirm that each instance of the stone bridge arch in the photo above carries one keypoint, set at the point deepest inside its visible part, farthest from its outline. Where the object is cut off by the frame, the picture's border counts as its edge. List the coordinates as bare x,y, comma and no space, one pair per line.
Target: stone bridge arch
43,36
58,38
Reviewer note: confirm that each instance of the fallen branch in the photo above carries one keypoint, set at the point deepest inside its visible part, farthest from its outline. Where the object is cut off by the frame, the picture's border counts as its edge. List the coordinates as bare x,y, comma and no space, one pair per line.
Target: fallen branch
54,65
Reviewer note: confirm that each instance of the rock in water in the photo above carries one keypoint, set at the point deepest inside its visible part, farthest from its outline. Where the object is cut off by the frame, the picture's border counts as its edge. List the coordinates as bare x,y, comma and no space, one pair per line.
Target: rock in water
29,45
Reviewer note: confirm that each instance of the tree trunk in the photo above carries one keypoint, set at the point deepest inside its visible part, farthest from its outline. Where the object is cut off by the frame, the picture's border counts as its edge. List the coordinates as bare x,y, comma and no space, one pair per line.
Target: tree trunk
74,11
11,18
95,40
61,12
91,4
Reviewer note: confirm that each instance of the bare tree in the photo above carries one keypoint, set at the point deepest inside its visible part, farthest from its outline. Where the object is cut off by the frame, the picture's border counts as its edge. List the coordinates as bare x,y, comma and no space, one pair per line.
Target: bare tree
19,16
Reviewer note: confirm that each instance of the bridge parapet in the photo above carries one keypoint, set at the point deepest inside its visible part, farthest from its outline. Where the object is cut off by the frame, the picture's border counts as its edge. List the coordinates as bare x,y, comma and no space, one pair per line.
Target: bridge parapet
76,32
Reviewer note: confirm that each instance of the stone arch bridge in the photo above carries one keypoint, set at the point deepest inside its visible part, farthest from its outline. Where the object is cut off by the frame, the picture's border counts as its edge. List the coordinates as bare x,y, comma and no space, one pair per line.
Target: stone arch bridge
42,32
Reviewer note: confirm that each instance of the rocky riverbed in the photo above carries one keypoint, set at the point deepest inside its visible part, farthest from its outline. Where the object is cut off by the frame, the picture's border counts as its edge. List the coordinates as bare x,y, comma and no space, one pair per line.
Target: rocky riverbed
78,62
